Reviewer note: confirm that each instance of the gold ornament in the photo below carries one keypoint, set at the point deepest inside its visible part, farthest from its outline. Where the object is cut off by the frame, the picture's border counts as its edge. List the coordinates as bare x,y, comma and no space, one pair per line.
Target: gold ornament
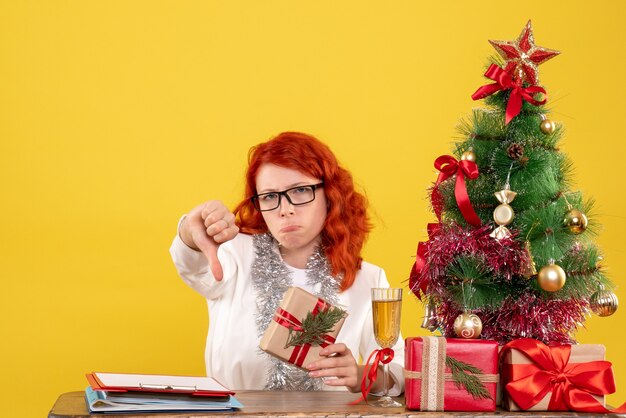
603,303
469,155
503,213
575,221
551,277
518,73
547,126
430,317
500,232
531,269
468,325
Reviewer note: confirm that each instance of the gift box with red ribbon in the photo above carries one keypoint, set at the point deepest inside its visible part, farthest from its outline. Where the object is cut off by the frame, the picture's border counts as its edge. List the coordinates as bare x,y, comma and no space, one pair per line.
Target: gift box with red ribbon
449,374
539,377
287,337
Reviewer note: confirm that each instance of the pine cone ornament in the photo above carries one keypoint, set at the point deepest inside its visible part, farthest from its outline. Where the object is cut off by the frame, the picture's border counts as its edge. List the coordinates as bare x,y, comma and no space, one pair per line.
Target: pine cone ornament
515,151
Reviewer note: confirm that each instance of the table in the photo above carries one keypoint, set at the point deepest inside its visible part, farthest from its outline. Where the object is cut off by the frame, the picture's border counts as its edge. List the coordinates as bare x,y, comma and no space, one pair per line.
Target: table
294,404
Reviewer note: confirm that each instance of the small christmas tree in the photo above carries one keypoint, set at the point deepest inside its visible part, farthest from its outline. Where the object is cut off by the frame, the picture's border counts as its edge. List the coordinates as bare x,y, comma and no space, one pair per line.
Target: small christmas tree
512,254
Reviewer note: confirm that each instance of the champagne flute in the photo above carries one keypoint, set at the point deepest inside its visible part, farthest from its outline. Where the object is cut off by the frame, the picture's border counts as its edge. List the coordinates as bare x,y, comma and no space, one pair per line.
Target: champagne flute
386,308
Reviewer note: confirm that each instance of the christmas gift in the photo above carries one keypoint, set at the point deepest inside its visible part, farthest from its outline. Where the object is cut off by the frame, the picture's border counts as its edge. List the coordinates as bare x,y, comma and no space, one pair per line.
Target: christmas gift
302,325
539,377
449,374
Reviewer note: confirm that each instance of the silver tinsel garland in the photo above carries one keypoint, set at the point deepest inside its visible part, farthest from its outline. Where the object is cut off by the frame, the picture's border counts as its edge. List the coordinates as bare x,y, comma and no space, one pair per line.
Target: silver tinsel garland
271,278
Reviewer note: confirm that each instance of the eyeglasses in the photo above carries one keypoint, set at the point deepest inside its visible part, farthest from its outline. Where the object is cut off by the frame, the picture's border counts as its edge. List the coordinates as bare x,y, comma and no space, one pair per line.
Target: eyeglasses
298,195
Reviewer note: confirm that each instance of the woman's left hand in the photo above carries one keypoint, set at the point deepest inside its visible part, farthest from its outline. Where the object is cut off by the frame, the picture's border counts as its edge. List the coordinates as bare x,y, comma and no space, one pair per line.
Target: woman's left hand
339,365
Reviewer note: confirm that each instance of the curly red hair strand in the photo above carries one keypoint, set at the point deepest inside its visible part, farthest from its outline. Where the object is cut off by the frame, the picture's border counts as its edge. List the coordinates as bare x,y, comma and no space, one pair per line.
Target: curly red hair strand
347,223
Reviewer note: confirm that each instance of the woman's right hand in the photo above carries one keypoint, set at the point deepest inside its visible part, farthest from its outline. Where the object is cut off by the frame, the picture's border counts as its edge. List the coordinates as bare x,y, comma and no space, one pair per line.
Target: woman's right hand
205,228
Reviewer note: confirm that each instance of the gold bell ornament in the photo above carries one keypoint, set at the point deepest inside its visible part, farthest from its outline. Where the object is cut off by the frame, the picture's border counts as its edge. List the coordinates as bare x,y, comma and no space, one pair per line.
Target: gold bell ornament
468,325
531,269
603,303
551,277
430,317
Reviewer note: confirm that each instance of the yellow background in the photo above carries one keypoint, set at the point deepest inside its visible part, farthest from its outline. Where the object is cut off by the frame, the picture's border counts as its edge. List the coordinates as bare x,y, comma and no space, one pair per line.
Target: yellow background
118,116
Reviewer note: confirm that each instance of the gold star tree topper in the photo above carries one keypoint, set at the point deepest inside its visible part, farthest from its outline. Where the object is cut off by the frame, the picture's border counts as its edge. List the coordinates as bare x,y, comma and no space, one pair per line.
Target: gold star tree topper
523,56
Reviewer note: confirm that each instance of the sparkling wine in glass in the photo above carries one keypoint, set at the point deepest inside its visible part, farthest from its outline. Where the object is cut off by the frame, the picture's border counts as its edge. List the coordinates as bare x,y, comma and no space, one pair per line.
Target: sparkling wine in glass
386,308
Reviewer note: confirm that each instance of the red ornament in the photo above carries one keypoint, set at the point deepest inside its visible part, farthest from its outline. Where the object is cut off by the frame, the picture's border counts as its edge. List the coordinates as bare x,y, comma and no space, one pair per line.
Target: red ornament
523,54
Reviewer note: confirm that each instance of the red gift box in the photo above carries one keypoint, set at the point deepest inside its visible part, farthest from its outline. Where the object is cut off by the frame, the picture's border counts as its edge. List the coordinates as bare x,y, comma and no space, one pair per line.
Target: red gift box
430,384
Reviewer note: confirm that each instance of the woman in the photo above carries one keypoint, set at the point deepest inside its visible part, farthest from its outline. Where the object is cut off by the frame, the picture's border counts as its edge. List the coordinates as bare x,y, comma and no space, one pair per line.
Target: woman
301,224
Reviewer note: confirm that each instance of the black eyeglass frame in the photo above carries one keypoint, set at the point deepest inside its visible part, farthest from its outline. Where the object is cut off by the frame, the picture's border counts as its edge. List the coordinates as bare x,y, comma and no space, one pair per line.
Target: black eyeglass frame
255,199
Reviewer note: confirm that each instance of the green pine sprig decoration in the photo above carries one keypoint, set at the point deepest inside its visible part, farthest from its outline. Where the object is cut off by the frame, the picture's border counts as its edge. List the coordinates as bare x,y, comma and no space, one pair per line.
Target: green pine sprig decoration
315,327
465,375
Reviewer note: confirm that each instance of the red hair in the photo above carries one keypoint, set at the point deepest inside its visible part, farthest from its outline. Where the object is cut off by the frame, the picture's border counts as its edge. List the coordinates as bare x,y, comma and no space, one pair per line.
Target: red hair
347,223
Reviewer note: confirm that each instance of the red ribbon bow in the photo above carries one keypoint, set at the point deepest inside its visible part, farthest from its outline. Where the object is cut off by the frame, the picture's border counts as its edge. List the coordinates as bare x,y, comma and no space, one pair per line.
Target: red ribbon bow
448,165
504,81
370,371
572,385
287,320
418,280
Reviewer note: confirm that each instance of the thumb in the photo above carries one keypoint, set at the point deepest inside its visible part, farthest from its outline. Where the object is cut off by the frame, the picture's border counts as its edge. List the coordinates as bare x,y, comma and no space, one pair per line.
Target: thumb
214,262
209,249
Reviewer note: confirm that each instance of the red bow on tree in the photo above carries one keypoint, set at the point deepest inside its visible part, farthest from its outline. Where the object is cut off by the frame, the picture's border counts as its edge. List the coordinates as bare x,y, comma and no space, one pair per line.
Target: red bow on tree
418,279
504,81
448,166
572,385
